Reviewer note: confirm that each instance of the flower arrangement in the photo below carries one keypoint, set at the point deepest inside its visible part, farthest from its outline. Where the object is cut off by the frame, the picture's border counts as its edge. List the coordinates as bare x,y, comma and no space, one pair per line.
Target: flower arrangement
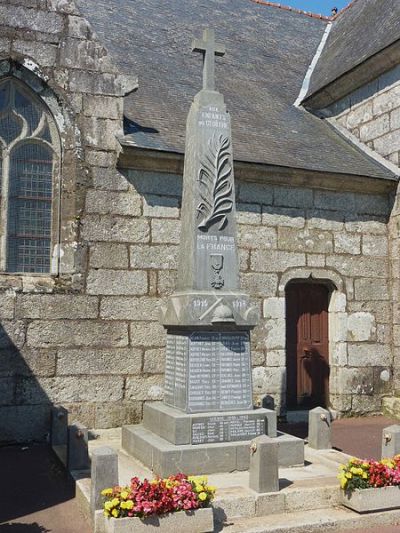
366,474
158,496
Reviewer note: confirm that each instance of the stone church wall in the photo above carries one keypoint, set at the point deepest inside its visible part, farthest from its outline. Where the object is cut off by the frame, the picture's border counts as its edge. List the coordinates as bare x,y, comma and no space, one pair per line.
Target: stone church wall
48,46
89,338
372,114
284,234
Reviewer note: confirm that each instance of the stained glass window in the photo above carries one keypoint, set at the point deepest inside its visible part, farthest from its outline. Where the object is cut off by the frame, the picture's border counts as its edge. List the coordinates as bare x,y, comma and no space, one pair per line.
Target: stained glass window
27,166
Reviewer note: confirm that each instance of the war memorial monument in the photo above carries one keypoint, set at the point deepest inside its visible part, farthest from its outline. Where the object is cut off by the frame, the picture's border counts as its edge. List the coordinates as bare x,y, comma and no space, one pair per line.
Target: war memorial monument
207,418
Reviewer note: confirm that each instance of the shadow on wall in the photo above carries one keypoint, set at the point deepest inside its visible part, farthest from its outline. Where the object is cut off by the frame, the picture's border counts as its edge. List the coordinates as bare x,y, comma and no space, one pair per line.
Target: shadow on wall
276,206
159,189
24,405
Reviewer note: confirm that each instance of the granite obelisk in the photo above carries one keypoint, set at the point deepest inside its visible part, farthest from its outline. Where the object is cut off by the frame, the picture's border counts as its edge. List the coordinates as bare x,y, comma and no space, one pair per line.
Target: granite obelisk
208,318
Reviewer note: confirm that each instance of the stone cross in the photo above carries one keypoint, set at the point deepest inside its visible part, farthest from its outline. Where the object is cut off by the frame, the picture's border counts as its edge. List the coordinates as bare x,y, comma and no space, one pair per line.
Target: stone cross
209,48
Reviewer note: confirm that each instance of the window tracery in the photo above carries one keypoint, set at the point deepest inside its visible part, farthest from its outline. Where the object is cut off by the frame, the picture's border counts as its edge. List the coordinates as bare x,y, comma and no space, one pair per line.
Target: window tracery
28,165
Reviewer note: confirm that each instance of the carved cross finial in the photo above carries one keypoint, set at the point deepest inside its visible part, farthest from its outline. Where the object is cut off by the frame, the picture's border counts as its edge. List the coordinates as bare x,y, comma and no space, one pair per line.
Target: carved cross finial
209,48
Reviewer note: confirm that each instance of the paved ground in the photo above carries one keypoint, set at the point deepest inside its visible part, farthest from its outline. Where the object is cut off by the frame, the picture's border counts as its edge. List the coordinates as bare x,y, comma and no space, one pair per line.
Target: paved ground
360,437
37,496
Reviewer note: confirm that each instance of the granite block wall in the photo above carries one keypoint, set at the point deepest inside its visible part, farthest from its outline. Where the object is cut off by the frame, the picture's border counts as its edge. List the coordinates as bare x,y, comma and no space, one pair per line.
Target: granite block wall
372,114
54,346
284,234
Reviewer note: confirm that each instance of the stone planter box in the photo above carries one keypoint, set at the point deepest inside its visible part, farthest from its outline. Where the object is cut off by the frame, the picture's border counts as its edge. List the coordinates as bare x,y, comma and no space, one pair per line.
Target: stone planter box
366,500
199,521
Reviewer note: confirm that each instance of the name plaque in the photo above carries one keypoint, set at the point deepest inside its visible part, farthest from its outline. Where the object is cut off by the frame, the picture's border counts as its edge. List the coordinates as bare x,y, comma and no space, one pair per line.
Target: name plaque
175,371
219,372
226,428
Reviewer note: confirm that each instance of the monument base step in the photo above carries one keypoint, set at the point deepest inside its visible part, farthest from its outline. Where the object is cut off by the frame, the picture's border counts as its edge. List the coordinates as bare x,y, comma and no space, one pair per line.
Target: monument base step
303,490
178,427
315,521
165,459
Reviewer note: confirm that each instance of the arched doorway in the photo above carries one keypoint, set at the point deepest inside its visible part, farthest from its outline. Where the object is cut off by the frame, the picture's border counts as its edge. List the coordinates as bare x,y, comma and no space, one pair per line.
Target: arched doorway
307,345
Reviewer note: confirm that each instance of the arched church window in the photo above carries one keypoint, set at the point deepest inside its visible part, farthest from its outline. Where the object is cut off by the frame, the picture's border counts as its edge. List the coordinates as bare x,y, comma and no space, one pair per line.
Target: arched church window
29,165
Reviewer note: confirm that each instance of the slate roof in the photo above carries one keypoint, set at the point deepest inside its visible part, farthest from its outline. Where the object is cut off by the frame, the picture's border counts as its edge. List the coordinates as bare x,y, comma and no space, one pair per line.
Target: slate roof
268,53
363,29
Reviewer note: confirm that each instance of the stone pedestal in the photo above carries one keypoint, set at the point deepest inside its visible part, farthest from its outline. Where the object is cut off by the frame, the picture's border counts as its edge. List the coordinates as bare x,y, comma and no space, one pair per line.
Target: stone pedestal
391,441
319,429
170,441
177,427
264,463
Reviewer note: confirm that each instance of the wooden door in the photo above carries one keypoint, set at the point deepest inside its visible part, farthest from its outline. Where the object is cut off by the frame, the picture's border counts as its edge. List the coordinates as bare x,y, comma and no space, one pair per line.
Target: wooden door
307,345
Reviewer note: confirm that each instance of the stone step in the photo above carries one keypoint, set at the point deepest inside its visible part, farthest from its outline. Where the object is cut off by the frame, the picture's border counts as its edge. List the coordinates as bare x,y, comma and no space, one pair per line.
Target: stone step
200,428
241,502
165,458
330,458
321,520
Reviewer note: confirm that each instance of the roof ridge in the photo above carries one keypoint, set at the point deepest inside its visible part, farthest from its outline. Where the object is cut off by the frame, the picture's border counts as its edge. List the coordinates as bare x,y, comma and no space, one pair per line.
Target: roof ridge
344,9
293,9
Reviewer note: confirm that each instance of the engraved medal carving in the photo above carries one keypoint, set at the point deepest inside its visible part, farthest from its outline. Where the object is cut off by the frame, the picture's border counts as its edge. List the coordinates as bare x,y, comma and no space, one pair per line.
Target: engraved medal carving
215,185
217,264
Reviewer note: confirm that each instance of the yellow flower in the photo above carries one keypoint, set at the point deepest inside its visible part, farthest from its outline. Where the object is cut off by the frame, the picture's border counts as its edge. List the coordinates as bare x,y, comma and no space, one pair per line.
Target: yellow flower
108,506
115,513
349,475
124,494
115,502
343,482
212,489
106,492
198,479
365,475
129,504
106,513
202,496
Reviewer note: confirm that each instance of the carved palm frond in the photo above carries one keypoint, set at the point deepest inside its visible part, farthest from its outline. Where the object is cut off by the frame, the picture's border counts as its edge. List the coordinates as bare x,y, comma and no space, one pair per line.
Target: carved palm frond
215,185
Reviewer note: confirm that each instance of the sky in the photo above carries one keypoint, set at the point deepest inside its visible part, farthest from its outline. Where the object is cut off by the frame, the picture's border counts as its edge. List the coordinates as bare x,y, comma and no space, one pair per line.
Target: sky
323,7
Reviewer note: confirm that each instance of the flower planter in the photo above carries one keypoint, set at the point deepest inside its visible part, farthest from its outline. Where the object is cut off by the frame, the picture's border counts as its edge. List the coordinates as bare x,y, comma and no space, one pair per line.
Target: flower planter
198,521
366,500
